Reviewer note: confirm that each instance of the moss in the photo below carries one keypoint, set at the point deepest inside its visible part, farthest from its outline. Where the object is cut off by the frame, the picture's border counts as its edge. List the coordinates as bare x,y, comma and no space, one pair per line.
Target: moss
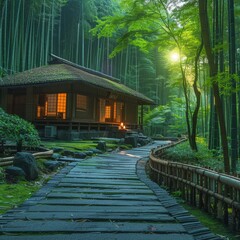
67,72
210,222
78,145
12,195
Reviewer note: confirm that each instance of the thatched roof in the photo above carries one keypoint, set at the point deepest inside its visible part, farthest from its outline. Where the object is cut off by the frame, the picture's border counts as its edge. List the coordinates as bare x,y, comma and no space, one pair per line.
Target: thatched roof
62,70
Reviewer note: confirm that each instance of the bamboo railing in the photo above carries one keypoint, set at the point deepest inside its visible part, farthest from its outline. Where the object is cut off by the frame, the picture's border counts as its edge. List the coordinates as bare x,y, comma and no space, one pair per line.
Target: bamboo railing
9,160
216,193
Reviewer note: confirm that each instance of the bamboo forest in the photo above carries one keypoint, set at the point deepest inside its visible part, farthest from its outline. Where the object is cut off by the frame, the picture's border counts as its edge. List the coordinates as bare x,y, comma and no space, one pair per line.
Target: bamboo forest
184,55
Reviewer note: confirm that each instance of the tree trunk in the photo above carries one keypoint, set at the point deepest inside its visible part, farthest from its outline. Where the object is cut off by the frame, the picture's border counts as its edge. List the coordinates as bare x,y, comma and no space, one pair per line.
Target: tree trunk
232,70
205,30
198,98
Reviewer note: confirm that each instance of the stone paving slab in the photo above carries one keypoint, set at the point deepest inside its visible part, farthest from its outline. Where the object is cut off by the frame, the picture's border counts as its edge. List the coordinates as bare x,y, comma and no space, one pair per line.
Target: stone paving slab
92,215
119,209
105,227
103,236
103,196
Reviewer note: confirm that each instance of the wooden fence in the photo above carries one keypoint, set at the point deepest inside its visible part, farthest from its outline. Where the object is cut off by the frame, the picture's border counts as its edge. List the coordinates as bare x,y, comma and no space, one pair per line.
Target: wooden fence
8,161
218,194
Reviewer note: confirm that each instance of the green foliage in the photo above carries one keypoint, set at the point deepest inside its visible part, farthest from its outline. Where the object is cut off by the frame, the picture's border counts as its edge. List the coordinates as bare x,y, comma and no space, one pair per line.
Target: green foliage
16,129
167,120
204,157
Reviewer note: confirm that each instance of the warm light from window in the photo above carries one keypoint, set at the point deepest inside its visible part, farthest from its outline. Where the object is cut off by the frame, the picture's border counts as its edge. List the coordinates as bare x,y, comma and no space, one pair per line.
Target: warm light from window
107,111
115,111
61,107
38,111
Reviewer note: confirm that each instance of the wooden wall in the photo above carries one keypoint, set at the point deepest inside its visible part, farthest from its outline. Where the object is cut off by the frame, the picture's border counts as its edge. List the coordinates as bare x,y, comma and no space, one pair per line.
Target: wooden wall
92,113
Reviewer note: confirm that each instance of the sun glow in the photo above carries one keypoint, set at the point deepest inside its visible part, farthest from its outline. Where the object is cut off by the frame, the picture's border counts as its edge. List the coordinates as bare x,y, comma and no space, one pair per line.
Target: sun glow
174,56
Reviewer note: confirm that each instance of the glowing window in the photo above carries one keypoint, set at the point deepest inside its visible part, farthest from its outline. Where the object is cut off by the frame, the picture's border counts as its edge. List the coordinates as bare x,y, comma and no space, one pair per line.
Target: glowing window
107,111
81,102
114,111
52,105
61,107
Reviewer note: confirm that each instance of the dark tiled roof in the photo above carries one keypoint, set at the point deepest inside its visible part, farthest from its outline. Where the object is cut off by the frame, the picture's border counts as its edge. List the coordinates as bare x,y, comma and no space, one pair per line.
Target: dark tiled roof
64,70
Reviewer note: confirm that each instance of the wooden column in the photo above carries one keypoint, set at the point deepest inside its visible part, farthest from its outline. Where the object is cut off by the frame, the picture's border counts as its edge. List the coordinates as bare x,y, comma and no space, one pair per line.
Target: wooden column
141,126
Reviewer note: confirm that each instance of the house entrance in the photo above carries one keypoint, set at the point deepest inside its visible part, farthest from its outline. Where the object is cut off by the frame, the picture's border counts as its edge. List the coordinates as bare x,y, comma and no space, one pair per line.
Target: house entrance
111,111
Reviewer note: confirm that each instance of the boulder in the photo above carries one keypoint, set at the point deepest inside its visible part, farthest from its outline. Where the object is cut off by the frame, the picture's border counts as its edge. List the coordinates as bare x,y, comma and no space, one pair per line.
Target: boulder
95,151
88,153
102,146
68,153
143,140
80,155
52,165
132,140
14,171
27,163
56,155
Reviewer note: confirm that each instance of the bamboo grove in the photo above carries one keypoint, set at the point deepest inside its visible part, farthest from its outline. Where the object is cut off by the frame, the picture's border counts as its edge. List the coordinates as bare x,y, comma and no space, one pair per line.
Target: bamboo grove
196,93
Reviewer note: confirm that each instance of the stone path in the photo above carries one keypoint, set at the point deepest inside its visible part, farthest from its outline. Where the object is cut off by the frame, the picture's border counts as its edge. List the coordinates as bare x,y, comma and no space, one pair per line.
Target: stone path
107,197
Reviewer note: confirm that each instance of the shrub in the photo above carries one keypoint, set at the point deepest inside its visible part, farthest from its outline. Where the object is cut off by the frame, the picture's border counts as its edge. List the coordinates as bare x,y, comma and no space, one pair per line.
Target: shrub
16,129
204,157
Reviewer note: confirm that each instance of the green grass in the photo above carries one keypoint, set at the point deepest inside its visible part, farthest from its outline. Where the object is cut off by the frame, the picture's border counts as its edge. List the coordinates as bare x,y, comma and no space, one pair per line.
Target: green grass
83,145
215,226
12,195
73,145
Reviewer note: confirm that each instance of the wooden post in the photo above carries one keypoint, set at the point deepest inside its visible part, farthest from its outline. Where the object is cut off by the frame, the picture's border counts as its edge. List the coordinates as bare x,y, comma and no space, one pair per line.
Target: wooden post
141,126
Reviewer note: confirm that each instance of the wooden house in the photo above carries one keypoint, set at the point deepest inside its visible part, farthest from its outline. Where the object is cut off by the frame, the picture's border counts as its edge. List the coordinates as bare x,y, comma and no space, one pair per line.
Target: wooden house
64,99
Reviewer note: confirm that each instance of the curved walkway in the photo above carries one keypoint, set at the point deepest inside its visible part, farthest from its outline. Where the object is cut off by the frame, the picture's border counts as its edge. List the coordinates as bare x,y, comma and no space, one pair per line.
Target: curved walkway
107,197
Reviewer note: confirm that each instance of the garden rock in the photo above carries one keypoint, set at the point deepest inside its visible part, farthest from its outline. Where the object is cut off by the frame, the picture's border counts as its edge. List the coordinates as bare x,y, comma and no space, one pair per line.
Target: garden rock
56,156
52,165
88,153
132,140
102,146
68,153
14,171
95,151
143,140
58,149
80,155
27,163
